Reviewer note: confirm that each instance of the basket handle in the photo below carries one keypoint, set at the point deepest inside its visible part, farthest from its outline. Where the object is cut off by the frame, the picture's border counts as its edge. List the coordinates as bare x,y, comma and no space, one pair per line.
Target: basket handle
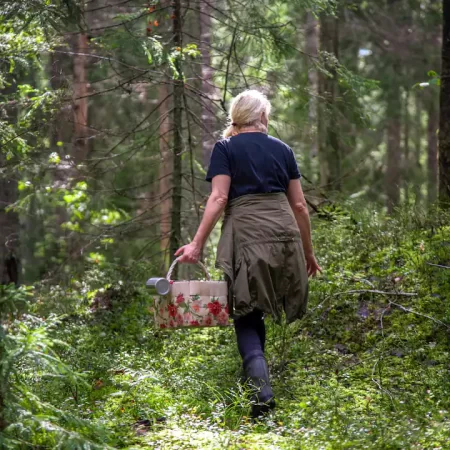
172,266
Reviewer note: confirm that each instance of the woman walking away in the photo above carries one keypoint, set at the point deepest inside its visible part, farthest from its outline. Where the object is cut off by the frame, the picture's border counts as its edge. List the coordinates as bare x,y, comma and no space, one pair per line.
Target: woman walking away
265,249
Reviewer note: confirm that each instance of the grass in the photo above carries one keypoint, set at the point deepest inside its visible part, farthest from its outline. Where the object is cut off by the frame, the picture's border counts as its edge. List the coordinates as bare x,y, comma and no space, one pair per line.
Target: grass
362,370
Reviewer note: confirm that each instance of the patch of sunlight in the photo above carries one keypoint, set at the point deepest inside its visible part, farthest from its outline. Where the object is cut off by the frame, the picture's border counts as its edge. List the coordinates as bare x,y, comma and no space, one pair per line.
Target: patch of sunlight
175,437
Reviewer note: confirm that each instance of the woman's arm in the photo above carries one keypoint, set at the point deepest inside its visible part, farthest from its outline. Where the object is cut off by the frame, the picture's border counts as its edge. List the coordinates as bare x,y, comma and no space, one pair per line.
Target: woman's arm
214,209
300,210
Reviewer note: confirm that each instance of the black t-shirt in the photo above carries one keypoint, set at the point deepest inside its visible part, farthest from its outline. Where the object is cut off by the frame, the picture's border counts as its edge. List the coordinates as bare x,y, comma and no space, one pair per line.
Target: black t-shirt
257,163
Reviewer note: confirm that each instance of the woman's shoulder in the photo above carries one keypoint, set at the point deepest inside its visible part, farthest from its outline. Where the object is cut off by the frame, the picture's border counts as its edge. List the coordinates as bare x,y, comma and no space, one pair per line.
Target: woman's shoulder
221,145
278,142
223,141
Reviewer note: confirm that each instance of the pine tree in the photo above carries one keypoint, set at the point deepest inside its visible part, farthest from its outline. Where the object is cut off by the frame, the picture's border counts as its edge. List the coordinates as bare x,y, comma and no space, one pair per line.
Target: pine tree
444,123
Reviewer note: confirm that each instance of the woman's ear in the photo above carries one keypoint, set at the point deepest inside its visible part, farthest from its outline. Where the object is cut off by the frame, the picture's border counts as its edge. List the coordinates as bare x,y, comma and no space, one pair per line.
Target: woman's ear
264,119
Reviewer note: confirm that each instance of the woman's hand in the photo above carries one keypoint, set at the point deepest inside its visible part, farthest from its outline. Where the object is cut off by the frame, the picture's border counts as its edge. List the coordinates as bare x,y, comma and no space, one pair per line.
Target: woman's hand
190,253
312,266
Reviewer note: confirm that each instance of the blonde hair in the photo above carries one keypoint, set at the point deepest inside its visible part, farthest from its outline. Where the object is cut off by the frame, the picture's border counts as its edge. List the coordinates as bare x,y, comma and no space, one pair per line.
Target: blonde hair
245,111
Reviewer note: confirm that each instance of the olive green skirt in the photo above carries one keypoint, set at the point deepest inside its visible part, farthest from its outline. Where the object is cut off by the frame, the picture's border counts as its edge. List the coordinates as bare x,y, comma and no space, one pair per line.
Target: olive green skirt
261,253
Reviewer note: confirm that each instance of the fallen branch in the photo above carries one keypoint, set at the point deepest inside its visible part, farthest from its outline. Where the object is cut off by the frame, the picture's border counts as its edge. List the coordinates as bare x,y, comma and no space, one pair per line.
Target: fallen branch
374,291
438,265
403,308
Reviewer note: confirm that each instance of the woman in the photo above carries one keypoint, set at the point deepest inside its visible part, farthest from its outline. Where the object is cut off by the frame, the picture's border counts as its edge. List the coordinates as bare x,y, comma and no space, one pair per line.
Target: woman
265,249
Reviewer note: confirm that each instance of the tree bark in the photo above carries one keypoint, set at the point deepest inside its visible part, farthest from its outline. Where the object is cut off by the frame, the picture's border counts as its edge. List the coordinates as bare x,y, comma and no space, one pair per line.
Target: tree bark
393,163
80,100
3,423
164,168
9,229
9,219
432,157
444,122
208,88
329,149
406,169
312,51
417,173
394,154
177,119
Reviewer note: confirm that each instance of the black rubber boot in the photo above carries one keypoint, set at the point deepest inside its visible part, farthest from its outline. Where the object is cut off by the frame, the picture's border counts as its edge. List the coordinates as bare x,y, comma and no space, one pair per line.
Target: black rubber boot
257,373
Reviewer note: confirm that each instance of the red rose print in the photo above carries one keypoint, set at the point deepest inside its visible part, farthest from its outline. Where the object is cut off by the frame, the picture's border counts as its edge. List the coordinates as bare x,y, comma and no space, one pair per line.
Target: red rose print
162,325
214,307
180,298
195,323
179,319
171,324
207,321
226,309
172,310
222,318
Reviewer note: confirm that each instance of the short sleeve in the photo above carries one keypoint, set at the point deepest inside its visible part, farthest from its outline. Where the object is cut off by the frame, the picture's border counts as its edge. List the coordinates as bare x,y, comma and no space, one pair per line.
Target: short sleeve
293,171
219,163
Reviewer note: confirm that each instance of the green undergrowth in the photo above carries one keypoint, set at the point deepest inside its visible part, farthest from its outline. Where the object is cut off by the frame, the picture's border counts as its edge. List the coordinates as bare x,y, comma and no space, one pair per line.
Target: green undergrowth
367,367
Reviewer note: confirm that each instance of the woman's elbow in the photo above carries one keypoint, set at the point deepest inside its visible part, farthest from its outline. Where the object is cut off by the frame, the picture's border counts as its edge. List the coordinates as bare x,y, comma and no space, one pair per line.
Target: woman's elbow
300,208
220,199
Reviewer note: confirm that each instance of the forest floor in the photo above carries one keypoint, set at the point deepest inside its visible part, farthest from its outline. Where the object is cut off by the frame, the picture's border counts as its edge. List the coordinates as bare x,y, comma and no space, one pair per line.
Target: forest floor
368,367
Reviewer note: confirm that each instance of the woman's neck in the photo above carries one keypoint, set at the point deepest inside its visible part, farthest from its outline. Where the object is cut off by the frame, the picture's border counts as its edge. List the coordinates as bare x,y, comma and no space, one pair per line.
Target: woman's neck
253,129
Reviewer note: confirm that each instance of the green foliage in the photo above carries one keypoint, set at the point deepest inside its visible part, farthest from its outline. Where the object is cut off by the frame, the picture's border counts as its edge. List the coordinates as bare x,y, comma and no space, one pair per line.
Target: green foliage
365,368
27,357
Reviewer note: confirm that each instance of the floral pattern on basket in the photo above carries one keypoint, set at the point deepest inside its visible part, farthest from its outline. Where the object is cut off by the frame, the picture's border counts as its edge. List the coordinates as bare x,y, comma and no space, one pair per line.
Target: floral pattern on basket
193,303
193,311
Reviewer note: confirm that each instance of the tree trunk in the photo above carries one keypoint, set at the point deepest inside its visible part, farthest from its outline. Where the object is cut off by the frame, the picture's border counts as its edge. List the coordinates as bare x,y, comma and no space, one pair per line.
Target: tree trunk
208,89
3,423
444,122
177,174
394,159
417,172
9,229
80,100
406,169
9,220
312,51
164,168
393,163
432,157
329,151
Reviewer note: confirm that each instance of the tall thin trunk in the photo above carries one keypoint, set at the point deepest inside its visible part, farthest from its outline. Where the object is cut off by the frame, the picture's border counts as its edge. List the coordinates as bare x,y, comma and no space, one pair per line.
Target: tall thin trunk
177,174
329,148
9,229
312,50
444,122
406,150
9,219
393,163
5,381
3,423
80,100
164,168
417,149
394,153
432,157
209,121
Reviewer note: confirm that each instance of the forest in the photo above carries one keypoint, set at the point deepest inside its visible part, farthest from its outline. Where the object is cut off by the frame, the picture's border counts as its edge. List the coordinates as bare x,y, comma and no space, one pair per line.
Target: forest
109,111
